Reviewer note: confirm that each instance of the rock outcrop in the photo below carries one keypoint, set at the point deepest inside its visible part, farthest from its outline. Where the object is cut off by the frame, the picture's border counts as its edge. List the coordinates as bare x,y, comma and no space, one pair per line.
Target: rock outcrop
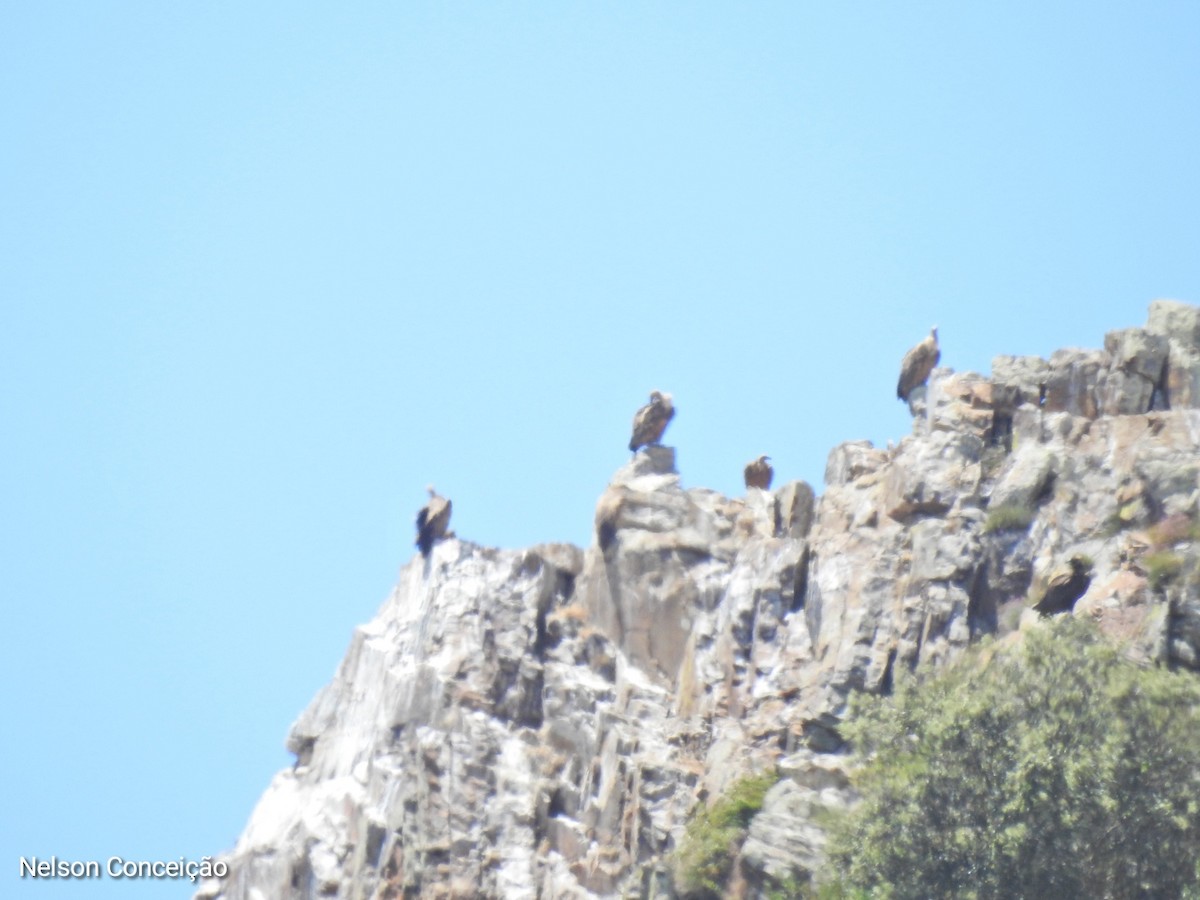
542,722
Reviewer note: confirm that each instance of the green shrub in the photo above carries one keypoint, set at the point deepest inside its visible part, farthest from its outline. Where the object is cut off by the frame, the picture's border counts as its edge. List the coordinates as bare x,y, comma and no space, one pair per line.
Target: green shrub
1162,567
1051,768
790,888
714,836
1010,616
1008,517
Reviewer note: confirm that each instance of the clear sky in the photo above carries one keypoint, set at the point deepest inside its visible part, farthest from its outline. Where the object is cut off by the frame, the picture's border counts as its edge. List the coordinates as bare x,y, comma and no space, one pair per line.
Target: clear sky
268,269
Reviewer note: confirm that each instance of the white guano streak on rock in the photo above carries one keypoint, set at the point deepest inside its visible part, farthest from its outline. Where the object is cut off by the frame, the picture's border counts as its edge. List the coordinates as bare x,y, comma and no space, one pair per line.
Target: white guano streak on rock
514,780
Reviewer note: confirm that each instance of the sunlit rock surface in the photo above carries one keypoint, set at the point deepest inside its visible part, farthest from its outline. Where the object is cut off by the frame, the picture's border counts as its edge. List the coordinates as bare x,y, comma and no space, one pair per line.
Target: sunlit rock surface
541,722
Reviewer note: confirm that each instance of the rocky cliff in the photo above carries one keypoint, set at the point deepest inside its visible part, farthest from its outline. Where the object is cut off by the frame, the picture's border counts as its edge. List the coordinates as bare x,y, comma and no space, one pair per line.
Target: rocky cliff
541,722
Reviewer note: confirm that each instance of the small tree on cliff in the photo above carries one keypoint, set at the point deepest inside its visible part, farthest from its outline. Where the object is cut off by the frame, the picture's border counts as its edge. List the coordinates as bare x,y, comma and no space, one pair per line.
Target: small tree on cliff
1053,769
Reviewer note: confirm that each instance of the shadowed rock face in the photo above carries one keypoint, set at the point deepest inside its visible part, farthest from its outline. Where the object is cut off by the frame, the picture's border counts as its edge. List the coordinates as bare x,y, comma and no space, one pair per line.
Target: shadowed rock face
541,722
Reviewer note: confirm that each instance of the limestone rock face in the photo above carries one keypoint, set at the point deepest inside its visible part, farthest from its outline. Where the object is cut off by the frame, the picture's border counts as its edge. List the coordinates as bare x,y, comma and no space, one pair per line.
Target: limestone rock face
542,722
785,831
1179,323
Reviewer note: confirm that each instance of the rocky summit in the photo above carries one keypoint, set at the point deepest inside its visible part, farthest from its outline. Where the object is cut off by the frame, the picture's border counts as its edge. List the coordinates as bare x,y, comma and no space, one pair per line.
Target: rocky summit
543,722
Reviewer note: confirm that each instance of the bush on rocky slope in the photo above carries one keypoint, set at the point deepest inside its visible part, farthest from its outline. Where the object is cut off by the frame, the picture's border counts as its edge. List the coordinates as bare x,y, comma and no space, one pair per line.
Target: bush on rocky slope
714,835
1048,767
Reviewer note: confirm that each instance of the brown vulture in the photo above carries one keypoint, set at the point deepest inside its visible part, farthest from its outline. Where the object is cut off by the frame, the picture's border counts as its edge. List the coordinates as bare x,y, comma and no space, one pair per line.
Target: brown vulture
432,521
918,363
1065,586
651,420
759,473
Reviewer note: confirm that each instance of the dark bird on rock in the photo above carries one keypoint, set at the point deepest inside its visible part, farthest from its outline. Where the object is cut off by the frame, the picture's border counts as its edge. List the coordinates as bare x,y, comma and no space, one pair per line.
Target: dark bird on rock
1066,586
918,363
759,473
432,521
651,420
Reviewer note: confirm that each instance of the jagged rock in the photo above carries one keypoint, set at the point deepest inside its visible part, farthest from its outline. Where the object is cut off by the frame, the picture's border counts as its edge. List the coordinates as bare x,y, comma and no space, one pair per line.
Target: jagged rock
1138,352
795,504
1178,321
542,722
1180,324
1019,380
662,557
1181,387
775,843
1183,632
785,840
851,461
1134,381
1121,393
962,403
928,476
1072,382
1027,477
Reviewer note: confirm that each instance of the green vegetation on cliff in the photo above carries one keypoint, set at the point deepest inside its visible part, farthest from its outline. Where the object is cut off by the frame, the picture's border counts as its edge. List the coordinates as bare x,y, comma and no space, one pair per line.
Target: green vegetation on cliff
1048,768
714,835
1009,517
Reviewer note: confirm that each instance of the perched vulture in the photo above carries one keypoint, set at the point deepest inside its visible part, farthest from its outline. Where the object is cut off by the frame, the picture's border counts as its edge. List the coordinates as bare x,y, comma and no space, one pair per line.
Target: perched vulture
432,521
651,420
1066,586
759,473
918,363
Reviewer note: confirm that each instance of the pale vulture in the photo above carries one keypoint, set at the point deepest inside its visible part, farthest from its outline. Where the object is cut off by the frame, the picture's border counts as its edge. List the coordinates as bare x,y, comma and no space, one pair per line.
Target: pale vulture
918,363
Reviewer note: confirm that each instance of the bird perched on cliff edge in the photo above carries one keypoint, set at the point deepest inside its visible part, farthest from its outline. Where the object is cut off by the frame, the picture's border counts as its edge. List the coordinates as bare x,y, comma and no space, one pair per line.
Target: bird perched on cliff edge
1065,586
432,521
759,473
651,420
918,363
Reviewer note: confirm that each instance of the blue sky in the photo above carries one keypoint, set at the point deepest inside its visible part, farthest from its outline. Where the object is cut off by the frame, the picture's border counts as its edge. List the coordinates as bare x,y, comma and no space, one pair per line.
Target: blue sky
268,269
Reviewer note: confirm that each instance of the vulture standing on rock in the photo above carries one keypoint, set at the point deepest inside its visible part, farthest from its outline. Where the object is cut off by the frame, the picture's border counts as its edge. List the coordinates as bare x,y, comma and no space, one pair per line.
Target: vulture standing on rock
651,420
432,521
1065,587
918,363
759,473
